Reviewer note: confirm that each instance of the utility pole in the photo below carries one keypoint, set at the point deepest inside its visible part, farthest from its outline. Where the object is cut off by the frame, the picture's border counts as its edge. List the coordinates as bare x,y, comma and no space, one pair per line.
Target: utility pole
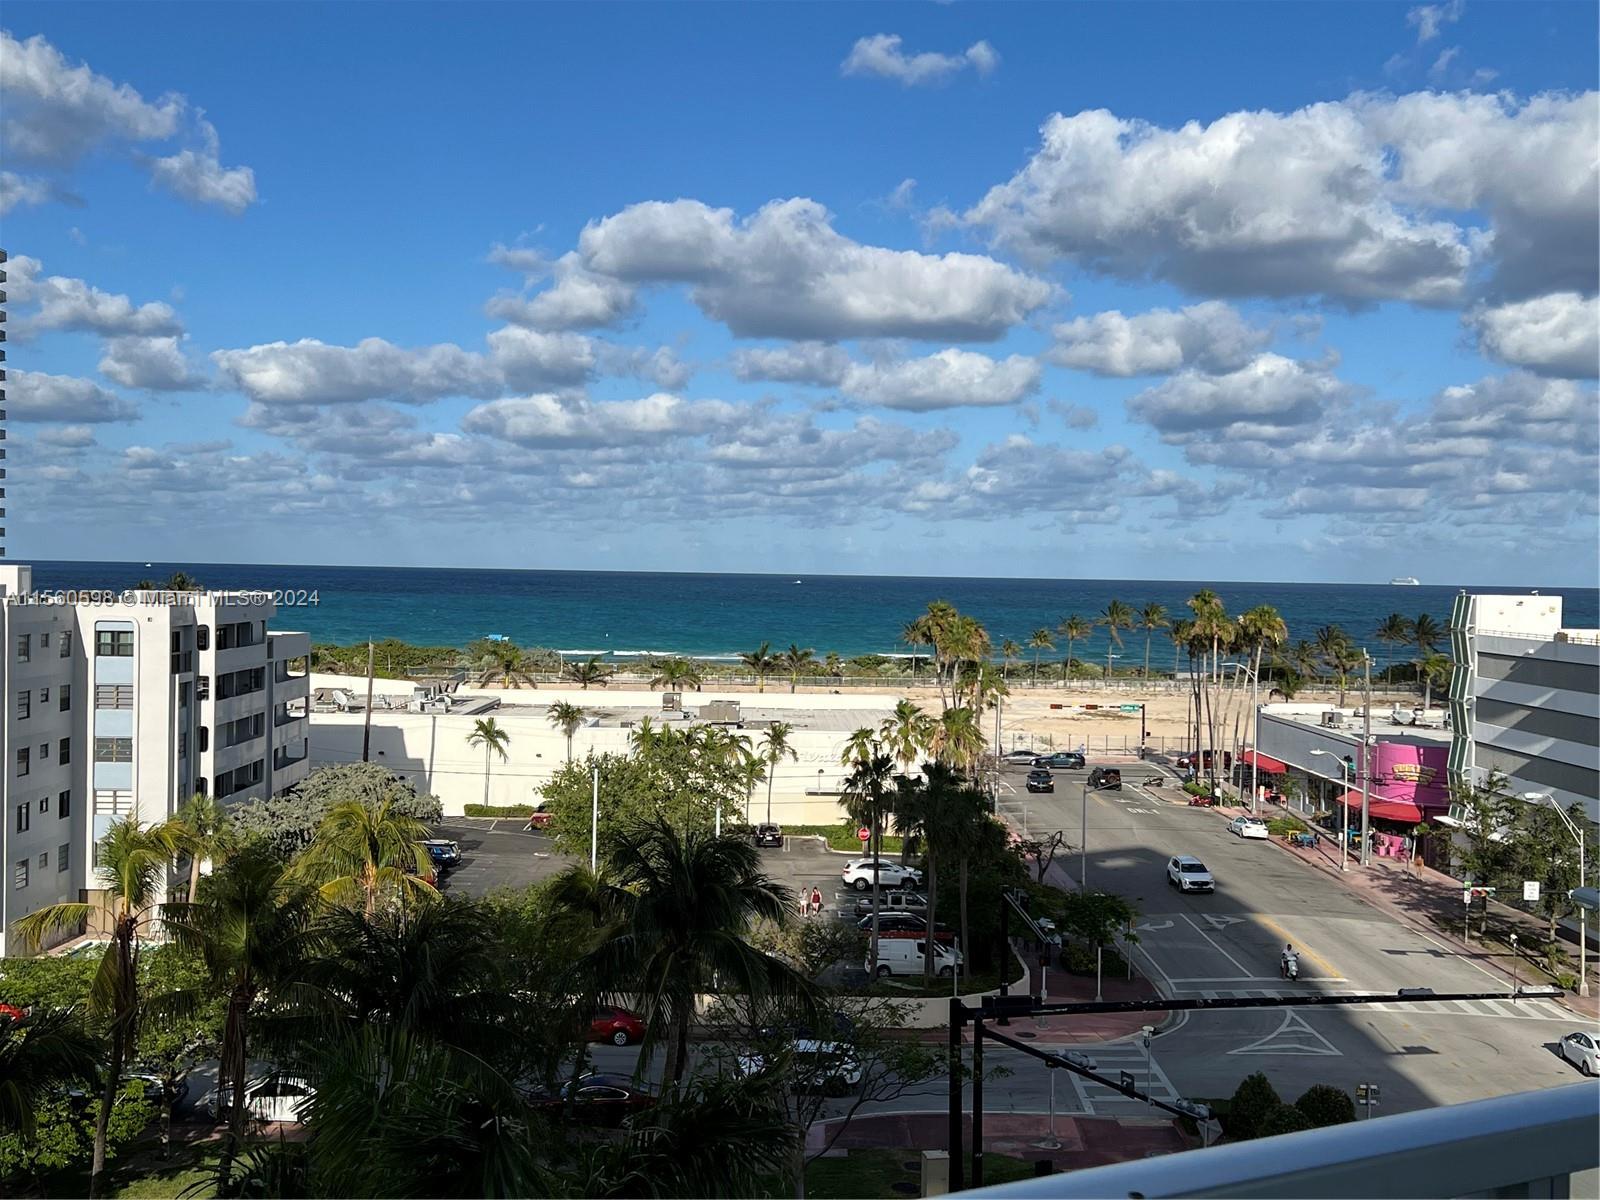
366,719
594,825
1255,745
1366,749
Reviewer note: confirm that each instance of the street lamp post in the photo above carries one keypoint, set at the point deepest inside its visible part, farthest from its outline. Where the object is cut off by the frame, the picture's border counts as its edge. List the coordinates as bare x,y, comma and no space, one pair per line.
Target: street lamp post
1344,832
1583,913
1365,765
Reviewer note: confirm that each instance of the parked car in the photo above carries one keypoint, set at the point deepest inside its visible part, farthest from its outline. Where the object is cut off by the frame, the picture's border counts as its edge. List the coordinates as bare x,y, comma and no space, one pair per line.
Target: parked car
606,1100
1019,758
1061,760
1188,874
1108,778
12,1012
538,820
1583,1051
904,924
444,853
825,1068
902,956
276,1097
858,874
615,1025
1249,827
837,1025
1193,760
907,902
1040,780
768,834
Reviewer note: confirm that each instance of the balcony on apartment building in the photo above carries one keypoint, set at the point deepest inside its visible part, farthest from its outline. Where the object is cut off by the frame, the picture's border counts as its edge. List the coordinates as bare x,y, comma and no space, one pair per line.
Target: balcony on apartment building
290,722
286,757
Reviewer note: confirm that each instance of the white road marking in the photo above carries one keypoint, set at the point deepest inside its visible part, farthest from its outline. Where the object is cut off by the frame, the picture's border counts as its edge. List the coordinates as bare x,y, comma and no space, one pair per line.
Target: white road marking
1243,970
1141,810
1293,1037
1150,927
1222,922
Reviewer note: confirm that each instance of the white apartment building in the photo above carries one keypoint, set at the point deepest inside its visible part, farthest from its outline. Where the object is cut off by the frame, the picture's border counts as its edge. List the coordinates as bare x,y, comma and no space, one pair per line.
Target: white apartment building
1525,698
131,703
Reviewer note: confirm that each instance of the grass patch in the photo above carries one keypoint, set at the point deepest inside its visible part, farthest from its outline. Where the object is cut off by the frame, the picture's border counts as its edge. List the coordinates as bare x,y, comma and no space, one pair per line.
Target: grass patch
871,1174
497,810
140,1173
843,837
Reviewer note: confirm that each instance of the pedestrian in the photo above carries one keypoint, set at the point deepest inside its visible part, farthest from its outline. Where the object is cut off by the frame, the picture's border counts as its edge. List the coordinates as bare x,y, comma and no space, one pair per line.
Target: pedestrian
816,902
805,901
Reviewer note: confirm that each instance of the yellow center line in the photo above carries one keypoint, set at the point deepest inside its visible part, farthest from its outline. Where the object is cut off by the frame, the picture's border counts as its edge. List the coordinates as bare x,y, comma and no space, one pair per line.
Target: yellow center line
1303,951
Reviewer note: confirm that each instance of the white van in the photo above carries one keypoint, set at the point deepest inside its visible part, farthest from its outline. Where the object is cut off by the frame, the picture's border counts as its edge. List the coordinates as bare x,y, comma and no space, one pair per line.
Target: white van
904,956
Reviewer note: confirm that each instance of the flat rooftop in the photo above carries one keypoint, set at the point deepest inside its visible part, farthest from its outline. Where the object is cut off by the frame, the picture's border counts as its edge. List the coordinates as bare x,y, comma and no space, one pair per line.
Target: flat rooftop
1392,724
836,720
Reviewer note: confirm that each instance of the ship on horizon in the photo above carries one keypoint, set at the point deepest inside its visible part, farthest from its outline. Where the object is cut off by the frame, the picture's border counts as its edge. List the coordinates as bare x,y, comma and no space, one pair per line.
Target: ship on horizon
1404,581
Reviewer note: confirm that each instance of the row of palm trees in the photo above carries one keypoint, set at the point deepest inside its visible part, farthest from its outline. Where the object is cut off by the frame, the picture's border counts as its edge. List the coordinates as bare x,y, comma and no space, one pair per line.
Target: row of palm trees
1117,616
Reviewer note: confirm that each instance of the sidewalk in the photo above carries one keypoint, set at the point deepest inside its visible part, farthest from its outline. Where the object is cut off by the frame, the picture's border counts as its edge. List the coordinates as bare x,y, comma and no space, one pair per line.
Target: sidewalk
1085,1141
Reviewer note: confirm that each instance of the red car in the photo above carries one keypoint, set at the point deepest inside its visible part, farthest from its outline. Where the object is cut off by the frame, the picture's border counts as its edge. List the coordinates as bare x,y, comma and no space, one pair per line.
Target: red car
19,1015
615,1025
606,1100
538,822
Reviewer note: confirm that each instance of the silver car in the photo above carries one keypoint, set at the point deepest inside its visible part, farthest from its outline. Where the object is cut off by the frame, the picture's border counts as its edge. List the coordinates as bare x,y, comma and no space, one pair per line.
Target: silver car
1583,1051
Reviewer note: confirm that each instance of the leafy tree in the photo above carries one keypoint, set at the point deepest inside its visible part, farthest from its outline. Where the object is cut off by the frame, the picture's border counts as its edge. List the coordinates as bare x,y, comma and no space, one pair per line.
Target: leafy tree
46,981
65,1133
1253,1102
812,947
133,863
289,820
568,718
1096,917
929,808
587,672
1074,629
1043,851
1039,640
1543,848
201,831
762,662
174,1038
1487,814
488,733
1323,1104
367,850
39,1058
956,739
795,662
1286,1118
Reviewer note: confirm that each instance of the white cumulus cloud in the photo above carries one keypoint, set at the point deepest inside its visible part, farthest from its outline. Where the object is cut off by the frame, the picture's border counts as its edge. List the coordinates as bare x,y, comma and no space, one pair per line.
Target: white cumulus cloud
949,379
1272,398
156,363
548,420
1558,334
881,55
34,396
199,176
1211,336
74,305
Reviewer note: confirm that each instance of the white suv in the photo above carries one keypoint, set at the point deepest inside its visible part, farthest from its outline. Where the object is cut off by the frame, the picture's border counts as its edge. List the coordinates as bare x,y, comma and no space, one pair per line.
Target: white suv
1189,874
858,874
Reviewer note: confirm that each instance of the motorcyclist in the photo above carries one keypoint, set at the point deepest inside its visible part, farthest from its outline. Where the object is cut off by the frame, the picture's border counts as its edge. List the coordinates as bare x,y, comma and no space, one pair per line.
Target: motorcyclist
1290,964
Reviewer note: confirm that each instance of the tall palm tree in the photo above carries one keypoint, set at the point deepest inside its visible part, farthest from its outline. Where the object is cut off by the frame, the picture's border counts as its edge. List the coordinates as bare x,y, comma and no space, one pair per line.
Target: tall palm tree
1150,618
1010,652
967,822
1074,629
775,747
39,1060
968,645
914,634
795,662
132,868
589,671
926,808
1436,670
568,718
1213,628
933,628
200,832
1394,630
958,739
508,663
1339,653
366,849
762,662
1116,616
487,732
1039,640
834,665
866,801
676,674
1425,636
249,925
687,902
906,733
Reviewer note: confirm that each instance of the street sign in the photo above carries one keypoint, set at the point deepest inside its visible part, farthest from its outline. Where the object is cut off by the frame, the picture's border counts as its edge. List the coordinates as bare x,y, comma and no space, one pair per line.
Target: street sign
1130,708
864,834
1530,889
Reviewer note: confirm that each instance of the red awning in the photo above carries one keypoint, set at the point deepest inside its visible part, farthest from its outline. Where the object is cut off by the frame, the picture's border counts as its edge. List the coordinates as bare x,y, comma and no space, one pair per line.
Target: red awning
1388,810
1264,764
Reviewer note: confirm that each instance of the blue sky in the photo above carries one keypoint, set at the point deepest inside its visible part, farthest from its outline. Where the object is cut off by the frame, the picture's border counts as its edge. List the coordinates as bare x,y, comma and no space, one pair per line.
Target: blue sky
1297,291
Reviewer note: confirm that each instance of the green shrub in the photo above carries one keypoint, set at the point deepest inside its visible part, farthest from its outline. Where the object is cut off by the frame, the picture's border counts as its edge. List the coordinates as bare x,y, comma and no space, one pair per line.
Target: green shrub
1284,826
1253,1102
1286,1118
1324,1104
498,810
1196,788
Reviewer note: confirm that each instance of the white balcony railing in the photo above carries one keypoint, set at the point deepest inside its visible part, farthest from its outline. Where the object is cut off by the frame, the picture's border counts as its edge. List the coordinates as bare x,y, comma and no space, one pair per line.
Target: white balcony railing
1530,1144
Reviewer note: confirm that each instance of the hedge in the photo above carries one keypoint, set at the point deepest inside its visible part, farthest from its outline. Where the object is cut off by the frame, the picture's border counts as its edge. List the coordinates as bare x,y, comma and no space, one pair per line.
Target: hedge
498,810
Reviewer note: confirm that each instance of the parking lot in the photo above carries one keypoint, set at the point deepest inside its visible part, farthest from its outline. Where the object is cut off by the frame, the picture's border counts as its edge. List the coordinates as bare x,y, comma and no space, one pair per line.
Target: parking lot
496,855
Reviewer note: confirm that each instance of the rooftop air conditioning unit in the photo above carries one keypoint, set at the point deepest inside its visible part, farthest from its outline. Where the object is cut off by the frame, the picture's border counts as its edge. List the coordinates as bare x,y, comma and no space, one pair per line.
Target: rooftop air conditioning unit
1333,720
671,701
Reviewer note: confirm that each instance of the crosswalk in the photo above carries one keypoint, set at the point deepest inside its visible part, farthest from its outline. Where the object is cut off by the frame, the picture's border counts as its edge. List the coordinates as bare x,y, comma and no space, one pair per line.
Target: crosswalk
1112,1060
1527,1009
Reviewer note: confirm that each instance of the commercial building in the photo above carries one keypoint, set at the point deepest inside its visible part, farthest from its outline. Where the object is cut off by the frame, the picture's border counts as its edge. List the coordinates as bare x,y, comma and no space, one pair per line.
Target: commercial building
130,704
1525,698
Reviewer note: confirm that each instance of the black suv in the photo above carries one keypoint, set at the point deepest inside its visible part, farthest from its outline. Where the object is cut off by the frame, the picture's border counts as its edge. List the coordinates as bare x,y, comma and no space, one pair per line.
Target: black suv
1106,777
1061,760
1040,780
444,853
768,834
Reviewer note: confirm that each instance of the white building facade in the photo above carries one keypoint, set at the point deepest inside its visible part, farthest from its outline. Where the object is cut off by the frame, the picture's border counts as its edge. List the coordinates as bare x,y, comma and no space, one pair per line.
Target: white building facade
1525,698
130,704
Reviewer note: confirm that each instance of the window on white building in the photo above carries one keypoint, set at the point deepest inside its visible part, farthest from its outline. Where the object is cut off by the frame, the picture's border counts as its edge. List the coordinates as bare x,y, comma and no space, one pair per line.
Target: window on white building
24,646
66,643
20,877
63,856
113,749
22,762
113,643
24,811
24,705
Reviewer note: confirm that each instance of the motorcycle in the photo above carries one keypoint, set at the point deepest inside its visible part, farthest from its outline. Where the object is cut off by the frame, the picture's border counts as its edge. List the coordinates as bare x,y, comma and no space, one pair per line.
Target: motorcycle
1290,966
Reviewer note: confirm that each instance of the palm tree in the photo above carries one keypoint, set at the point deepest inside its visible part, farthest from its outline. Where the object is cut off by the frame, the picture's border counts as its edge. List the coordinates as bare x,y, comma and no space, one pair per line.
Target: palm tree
968,645
907,733
1150,618
834,665
866,801
1010,652
914,634
132,869
1425,636
1039,640
676,675
586,672
958,739
795,662
200,831
1214,628
968,820
1436,670
1074,629
933,628
366,848
1394,630
1336,650
686,903
486,732
38,1061
859,746
249,925
775,748
568,718
762,662
926,808
1303,658
508,663
1116,617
